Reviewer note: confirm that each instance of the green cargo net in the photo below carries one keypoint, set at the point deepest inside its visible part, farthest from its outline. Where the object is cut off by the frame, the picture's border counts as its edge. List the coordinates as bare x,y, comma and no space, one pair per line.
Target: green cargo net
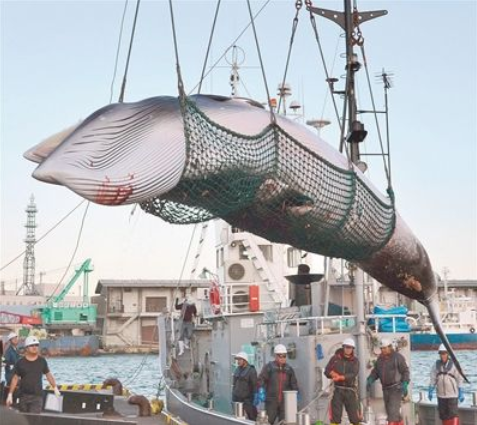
271,185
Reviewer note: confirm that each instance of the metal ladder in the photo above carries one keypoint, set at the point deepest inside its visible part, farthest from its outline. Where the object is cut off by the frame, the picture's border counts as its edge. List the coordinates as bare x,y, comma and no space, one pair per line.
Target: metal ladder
265,273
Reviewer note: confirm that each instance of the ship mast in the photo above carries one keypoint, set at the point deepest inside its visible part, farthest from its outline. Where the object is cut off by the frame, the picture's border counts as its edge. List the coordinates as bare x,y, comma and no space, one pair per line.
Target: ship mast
355,134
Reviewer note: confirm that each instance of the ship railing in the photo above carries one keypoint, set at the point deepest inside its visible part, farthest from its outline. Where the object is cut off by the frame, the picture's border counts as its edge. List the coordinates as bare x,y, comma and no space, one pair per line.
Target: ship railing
318,325
321,325
379,318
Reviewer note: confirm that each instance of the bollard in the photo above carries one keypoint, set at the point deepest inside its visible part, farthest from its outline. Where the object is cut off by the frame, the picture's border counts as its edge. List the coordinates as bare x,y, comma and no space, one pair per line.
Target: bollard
291,410
303,419
210,404
238,409
474,398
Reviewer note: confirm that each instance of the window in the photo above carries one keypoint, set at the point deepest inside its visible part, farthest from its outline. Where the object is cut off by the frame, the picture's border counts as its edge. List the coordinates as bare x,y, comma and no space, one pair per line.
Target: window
155,304
293,257
267,251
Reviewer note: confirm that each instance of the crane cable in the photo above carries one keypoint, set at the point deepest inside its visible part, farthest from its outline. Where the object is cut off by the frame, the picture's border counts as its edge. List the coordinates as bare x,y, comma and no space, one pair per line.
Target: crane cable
131,41
262,67
298,6
209,46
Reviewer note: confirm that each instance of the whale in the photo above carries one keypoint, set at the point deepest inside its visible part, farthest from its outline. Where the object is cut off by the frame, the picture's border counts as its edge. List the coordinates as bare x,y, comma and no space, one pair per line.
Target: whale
191,159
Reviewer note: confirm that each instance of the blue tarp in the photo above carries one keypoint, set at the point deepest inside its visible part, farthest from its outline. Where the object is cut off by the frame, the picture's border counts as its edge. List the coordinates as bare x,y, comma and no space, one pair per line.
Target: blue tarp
386,324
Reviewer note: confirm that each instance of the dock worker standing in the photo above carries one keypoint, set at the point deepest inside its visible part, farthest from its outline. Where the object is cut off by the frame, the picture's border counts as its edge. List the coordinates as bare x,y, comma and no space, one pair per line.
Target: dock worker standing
447,379
393,372
343,369
188,315
277,376
29,370
245,385
11,357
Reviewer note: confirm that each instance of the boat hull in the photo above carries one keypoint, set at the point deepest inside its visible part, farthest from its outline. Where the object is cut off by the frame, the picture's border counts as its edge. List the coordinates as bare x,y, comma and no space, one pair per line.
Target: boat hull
431,341
84,346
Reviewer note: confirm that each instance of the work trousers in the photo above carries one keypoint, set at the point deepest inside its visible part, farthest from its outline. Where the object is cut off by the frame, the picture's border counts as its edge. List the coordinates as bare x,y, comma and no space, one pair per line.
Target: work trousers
275,410
30,403
187,330
392,403
348,398
447,407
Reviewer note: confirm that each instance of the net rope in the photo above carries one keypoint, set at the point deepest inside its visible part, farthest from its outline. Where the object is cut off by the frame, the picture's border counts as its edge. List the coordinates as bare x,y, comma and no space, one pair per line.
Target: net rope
271,185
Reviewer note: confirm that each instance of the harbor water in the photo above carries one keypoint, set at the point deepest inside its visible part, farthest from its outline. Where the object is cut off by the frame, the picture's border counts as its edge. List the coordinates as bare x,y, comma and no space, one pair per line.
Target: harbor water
141,375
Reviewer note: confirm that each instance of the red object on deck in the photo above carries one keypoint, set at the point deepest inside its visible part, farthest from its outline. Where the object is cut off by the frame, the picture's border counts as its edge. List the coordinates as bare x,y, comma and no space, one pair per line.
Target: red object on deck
254,298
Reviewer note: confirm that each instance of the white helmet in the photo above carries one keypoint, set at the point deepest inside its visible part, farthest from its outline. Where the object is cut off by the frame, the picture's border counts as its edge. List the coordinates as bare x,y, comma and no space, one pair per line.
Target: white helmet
242,355
12,335
385,342
442,348
349,342
31,340
280,349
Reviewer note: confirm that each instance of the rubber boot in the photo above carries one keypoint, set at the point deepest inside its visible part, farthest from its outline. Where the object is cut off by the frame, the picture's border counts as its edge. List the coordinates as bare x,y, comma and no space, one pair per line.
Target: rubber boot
187,344
181,348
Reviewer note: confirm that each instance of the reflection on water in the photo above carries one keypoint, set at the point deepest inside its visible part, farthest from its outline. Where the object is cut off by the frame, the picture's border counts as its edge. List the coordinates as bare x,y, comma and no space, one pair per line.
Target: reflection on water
140,373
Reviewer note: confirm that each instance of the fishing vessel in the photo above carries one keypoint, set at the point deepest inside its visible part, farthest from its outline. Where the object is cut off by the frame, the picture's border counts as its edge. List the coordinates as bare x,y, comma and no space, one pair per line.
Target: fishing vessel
347,218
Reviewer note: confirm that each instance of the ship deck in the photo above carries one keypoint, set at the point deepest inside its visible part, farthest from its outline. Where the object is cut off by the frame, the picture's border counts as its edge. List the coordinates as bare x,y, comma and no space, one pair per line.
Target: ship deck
127,415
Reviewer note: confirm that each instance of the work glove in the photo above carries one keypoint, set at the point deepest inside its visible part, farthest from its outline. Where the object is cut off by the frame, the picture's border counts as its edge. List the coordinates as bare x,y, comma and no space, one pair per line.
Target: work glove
404,386
57,391
461,395
9,399
262,394
430,392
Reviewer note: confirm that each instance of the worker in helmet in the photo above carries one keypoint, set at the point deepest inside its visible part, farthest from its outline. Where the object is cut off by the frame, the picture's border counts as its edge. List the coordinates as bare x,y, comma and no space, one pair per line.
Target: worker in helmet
30,370
277,376
393,372
11,357
343,369
245,385
447,379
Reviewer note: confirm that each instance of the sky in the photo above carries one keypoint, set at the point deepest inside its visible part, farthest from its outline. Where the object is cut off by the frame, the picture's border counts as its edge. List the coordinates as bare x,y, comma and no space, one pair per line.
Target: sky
57,66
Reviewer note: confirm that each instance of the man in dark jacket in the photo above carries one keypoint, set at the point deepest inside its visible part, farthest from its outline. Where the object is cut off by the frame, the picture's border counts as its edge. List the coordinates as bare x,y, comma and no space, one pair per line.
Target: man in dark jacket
277,376
393,372
245,385
188,315
343,369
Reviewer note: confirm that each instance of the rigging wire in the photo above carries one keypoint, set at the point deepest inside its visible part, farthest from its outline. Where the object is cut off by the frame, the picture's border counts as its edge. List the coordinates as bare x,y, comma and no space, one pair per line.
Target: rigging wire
262,67
45,234
320,48
78,240
209,46
117,51
378,129
298,6
231,45
131,41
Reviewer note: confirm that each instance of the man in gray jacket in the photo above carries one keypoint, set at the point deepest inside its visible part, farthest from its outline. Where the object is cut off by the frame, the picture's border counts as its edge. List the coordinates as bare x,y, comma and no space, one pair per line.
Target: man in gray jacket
393,372
447,379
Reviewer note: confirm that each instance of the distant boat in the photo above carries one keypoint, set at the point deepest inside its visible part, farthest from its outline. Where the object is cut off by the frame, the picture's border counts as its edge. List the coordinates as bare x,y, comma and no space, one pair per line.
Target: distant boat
459,323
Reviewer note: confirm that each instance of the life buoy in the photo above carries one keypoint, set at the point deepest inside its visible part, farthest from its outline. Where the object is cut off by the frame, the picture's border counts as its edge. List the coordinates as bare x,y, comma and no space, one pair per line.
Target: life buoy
215,299
472,330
